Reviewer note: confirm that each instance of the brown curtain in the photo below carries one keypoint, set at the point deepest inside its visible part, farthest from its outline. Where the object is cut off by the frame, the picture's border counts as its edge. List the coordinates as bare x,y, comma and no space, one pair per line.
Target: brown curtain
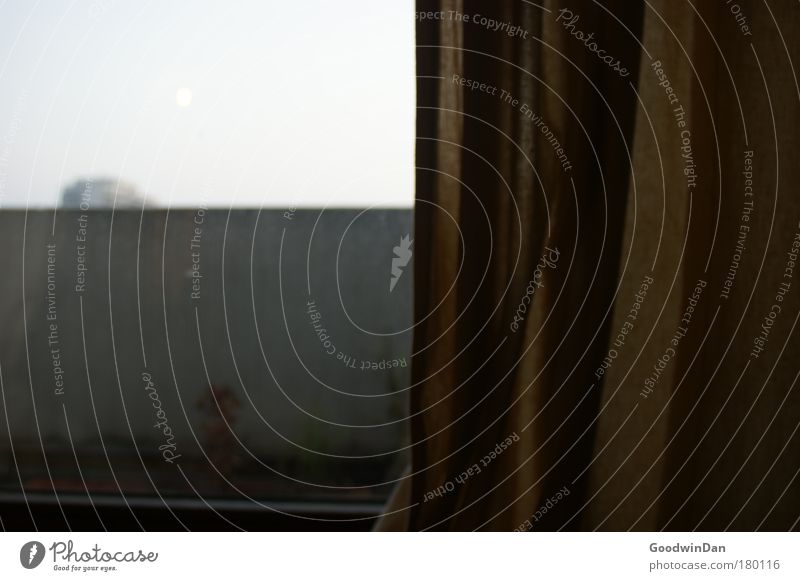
605,297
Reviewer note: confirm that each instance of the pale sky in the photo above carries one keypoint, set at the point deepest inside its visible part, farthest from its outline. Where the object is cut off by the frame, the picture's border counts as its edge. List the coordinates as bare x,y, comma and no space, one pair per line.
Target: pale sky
224,103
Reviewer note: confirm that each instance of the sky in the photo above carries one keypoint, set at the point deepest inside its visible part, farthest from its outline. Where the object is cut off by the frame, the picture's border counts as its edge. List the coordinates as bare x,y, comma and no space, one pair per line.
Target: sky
303,103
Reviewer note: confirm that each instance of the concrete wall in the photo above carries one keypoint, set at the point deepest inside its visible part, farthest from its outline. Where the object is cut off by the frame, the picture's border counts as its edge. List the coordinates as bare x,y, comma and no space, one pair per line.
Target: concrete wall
132,311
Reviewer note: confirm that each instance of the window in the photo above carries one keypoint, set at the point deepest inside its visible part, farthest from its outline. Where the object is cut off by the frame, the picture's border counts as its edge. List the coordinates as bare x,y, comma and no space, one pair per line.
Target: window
205,216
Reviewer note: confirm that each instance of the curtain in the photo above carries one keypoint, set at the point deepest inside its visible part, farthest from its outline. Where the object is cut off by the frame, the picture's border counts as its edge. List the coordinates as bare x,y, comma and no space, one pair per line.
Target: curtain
605,261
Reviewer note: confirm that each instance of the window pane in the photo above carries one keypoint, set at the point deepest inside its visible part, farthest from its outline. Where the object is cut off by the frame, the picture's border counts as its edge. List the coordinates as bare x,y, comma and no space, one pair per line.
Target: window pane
223,103
205,217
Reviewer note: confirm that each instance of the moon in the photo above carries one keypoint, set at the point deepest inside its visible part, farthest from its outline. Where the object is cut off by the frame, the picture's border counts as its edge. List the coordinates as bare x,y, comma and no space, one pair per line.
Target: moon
183,97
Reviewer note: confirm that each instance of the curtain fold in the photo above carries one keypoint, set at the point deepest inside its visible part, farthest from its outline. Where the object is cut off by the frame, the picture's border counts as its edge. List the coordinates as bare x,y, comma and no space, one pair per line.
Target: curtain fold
605,207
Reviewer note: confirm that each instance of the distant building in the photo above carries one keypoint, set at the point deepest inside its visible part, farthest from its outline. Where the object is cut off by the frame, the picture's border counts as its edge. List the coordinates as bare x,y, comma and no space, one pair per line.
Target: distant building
100,193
